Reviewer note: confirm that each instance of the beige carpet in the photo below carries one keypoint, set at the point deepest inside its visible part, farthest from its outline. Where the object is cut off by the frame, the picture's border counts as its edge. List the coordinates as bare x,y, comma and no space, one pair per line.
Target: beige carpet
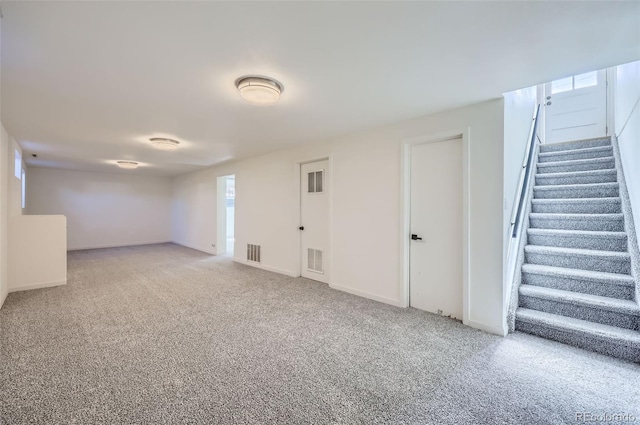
166,335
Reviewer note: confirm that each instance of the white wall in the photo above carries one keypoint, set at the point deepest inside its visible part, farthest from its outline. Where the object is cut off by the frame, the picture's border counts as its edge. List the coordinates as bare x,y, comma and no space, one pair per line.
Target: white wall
103,210
519,107
38,254
366,207
627,123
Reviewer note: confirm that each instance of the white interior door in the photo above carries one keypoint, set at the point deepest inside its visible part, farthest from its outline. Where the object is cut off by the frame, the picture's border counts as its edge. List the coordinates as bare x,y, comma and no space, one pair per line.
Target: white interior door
576,107
314,220
435,275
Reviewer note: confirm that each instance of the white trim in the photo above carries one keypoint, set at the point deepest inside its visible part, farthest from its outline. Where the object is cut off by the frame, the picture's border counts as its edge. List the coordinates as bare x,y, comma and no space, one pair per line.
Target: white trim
4,298
369,295
122,245
37,286
405,208
210,252
267,268
487,328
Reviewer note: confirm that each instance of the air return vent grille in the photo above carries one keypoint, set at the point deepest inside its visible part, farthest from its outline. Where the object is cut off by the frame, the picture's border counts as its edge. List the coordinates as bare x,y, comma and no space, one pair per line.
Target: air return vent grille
314,260
253,252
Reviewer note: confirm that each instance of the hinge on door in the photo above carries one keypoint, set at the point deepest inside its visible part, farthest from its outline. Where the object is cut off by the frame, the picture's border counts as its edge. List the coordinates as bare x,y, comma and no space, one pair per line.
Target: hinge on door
606,131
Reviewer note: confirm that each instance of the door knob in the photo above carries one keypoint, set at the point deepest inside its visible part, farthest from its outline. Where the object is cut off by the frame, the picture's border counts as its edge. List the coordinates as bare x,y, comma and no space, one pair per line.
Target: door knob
548,103
301,228
415,238
548,97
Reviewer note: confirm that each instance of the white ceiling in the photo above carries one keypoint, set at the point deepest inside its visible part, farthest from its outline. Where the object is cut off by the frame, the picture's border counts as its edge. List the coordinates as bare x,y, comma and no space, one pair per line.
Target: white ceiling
87,83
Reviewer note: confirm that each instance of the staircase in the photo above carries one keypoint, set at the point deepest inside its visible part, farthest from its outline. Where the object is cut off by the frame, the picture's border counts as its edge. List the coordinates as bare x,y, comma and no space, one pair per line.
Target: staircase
576,283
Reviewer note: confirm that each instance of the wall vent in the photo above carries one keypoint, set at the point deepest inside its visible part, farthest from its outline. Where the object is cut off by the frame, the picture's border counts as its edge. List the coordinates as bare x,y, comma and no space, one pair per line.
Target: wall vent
314,260
253,252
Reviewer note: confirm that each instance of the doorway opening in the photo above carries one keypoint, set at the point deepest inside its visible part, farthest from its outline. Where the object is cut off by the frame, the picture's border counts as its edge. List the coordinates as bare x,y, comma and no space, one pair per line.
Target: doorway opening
226,202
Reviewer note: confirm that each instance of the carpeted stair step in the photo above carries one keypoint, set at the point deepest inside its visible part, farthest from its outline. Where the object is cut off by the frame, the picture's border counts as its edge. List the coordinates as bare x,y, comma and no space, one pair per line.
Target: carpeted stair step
578,144
613,285
577,177
577,165
591,222
583,259
584,239
573,154
594,308
605,339
592,190
577,206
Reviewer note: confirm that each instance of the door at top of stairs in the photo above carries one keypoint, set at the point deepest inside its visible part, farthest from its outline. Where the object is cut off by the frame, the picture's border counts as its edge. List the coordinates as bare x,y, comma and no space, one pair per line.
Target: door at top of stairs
576,107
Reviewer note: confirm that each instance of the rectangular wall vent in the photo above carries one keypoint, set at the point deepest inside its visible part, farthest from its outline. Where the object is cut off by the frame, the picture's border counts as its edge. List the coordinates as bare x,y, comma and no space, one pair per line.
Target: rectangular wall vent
253,252
314,260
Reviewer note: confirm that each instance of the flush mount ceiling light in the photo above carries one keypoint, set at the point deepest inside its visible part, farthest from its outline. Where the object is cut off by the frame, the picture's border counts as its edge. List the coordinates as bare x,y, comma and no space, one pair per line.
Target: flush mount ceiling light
259,90
164,144
130,165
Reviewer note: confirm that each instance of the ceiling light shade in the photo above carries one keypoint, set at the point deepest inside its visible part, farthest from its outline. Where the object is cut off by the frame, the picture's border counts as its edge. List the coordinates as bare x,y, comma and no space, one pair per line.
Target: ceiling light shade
258,90
129,165
164,144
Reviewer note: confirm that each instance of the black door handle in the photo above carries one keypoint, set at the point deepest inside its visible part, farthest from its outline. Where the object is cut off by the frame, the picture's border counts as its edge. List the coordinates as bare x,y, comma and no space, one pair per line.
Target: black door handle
415,238
301,228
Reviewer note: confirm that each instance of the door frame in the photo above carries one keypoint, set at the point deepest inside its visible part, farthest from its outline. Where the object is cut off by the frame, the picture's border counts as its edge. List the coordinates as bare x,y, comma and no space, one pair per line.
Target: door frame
405,209
297,210
221,214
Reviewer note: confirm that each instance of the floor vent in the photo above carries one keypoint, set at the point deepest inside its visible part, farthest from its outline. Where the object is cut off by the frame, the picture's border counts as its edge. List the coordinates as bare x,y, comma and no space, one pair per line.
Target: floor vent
253,252
314,260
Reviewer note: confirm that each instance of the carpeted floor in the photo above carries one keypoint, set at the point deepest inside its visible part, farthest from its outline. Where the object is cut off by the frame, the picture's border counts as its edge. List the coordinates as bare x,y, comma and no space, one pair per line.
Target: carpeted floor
166,335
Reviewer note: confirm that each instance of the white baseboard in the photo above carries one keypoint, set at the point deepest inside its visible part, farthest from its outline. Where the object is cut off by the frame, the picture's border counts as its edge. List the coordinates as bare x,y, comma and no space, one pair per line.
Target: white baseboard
117,245
37,286
368,295
4,298
212,251
267,268
487,328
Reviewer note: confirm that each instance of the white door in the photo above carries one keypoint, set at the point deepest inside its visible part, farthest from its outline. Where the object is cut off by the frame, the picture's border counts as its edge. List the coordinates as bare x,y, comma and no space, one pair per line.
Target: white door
314,220
576,107
435,275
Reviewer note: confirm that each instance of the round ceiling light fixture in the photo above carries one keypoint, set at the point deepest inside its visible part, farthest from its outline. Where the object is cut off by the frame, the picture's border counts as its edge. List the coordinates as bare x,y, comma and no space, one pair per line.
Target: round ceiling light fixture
164,144
259,90
129,165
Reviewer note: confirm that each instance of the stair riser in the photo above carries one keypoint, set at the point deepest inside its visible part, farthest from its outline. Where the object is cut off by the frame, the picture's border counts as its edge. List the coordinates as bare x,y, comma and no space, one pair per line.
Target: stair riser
601,224
566,168
582,262
573,155
575,145
587,342
591,207
605,317
567,192
582,242
603,289
579,179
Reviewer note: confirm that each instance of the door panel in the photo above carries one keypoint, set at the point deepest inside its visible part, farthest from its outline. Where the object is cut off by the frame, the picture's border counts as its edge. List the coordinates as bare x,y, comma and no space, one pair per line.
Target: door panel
314,207
574,111
435,275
